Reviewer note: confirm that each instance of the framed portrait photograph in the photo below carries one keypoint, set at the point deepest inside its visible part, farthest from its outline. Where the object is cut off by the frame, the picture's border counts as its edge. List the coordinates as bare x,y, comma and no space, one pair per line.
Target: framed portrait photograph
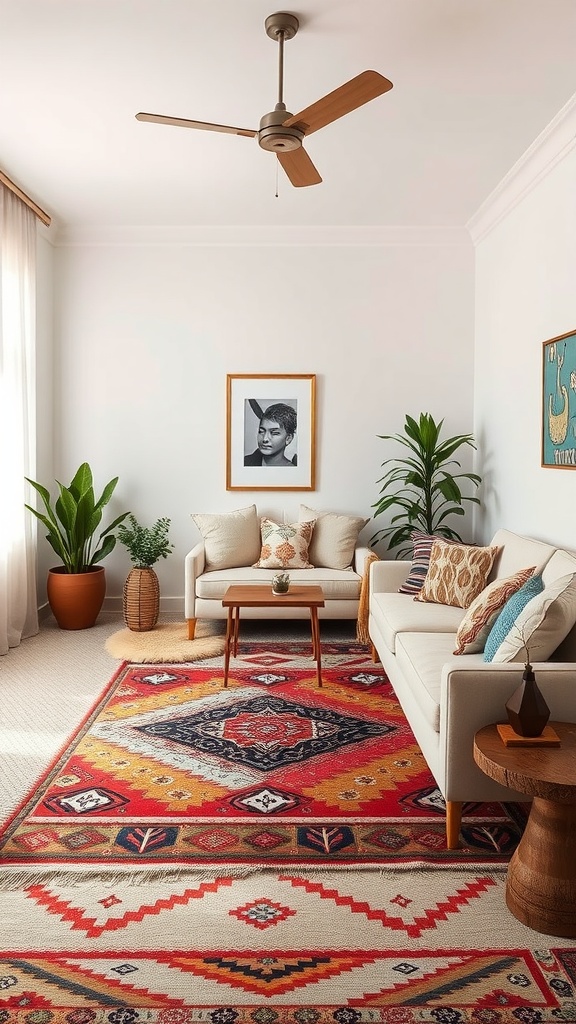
270,432
559,402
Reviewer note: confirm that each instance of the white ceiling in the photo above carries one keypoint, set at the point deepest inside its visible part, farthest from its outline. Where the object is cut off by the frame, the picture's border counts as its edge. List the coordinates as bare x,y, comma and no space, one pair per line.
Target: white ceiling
475,82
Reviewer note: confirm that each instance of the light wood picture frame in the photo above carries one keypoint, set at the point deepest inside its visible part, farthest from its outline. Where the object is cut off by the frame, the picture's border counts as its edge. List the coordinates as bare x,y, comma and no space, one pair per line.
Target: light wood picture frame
275,452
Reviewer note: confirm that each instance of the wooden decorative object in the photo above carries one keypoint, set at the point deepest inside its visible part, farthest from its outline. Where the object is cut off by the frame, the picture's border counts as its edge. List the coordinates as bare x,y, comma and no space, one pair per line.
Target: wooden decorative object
527,710
141,600
549,737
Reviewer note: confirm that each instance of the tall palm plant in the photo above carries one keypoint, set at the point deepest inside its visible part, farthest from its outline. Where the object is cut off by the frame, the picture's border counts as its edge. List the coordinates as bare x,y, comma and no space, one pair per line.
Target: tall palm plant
421,485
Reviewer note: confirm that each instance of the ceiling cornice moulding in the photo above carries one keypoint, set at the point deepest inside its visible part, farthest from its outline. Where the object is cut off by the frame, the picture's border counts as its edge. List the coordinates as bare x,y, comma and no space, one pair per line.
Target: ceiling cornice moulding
547,150
192,235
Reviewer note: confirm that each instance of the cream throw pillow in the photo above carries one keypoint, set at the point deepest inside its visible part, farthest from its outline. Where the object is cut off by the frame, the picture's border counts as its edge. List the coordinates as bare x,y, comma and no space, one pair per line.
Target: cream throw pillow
481,615
542,624
231,539
456,574
284,545
334,537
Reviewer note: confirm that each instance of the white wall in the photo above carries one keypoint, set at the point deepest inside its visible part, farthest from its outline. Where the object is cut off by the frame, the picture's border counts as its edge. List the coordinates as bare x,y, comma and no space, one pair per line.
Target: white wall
145,334
525,295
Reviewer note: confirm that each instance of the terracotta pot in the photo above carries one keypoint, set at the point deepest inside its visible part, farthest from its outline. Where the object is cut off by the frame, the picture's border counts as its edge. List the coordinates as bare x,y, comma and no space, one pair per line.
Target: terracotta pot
141,600
76,597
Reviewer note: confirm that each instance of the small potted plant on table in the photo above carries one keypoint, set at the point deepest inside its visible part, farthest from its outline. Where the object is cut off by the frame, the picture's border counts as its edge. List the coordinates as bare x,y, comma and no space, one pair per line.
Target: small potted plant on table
145,545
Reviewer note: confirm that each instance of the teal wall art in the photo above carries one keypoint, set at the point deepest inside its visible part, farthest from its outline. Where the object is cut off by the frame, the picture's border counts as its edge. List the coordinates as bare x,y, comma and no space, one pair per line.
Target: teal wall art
559,402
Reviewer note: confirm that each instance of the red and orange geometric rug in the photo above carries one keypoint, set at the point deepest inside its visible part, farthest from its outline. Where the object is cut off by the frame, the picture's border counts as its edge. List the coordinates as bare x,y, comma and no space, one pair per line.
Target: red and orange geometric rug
173,769
269,854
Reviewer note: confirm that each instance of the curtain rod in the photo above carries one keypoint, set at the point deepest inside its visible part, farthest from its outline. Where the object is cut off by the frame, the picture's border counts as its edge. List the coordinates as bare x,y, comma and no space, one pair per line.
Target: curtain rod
44,217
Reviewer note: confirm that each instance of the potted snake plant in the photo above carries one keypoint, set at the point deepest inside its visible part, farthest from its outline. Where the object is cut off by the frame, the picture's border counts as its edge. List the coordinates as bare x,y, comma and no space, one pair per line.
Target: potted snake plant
76,588
145,545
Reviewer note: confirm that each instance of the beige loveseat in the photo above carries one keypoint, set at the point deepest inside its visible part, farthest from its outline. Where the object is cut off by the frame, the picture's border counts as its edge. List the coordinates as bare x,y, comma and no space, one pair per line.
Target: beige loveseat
447,698
231,543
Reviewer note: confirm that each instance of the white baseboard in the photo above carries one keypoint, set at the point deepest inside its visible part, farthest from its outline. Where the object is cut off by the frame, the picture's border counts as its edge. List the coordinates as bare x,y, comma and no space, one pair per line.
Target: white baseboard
44,612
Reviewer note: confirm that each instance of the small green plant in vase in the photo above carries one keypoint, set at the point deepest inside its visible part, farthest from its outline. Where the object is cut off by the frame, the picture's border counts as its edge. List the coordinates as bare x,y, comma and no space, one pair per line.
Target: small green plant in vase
281,583
145,545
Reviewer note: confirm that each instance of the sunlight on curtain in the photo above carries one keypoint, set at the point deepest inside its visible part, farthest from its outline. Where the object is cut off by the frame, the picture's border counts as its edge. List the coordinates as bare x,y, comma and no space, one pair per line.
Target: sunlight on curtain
18,604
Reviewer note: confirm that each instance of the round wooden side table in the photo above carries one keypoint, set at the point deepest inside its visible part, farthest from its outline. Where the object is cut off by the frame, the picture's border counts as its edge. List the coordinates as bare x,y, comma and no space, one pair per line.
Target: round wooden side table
541,882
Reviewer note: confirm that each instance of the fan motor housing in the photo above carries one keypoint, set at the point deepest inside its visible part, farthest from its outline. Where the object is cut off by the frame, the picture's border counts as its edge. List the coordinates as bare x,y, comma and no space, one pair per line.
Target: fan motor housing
274,136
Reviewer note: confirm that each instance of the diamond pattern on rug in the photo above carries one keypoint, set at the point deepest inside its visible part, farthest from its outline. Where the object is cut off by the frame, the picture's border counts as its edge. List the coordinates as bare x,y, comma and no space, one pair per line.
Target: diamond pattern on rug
265,733
173,767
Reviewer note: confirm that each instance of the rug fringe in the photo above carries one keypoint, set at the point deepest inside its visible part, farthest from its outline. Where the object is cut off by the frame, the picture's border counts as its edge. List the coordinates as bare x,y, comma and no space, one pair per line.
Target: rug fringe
21,878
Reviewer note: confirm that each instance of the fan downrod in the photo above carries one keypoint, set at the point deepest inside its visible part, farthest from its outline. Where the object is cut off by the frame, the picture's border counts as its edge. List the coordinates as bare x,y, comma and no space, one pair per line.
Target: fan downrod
272,134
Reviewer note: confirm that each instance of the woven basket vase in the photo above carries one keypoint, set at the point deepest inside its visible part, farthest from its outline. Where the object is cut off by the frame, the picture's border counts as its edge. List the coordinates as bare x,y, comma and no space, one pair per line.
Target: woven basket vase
141,600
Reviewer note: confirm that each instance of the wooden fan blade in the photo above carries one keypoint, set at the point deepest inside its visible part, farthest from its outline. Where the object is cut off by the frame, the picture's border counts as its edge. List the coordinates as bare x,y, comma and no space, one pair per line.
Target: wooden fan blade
299,167
206,126
365,87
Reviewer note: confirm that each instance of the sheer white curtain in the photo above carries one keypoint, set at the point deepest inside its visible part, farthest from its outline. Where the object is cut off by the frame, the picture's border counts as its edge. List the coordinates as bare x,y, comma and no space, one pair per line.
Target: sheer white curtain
18,603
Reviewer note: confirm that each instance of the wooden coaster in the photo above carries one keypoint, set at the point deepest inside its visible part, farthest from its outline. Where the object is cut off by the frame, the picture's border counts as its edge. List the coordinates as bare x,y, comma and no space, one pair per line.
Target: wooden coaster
510,738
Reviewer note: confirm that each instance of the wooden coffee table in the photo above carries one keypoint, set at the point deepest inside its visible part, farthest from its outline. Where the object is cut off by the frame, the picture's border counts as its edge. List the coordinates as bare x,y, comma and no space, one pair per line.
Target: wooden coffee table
541,882
260,596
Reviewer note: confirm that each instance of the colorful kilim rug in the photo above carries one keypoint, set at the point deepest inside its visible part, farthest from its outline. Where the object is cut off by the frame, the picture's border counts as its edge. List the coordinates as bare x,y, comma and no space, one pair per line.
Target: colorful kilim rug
279,947
173,769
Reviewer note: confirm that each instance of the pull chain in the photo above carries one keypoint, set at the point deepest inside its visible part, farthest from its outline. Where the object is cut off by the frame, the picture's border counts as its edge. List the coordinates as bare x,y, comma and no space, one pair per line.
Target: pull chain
276,192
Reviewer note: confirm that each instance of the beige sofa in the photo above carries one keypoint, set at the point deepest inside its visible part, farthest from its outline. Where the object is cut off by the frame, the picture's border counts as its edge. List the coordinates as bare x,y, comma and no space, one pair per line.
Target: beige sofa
232,542
447,697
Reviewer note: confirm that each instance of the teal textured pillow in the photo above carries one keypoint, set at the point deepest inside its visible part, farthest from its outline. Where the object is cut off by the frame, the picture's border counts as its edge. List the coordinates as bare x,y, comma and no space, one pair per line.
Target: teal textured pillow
510,612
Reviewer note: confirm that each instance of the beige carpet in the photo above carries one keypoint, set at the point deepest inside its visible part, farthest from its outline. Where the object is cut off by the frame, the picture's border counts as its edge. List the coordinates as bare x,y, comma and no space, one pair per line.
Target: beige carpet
167,642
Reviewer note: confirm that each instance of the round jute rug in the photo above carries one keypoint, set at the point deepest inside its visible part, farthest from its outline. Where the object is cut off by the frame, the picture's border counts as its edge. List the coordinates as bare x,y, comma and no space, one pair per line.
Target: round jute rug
167,642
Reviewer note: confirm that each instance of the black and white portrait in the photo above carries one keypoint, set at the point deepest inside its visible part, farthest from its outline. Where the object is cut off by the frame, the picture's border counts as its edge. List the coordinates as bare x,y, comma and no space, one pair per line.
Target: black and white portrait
270,441
270,433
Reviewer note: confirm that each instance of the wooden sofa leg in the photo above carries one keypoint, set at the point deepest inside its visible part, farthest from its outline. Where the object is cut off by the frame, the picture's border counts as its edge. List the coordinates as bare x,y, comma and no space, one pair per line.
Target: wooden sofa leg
191,628
453,822
374,653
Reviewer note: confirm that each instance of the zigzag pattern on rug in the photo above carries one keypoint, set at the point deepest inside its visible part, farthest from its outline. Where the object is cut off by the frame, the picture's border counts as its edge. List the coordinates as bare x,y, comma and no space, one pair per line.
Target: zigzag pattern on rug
279,947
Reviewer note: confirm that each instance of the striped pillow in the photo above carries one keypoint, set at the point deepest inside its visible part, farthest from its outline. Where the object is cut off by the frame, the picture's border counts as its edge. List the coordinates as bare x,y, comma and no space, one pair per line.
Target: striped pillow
481,615
420,560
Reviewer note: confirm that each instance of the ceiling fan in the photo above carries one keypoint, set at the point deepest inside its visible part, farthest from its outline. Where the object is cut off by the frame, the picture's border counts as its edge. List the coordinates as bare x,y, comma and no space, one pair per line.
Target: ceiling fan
282,132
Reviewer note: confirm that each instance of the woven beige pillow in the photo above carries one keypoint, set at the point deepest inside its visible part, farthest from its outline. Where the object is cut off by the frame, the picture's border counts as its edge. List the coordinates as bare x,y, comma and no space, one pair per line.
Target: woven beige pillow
284,545
231,539
481,615
334,537
457,573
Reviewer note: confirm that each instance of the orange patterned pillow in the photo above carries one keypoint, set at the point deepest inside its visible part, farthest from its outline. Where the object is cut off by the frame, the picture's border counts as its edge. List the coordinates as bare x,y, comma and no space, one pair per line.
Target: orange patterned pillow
457,573
284,545
482,614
